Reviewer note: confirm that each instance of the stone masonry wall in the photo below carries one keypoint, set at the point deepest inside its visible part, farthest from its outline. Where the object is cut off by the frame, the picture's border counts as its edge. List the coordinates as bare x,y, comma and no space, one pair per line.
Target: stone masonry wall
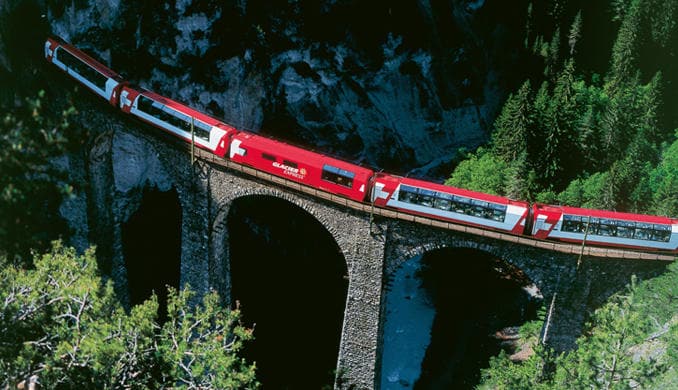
362,251
125,157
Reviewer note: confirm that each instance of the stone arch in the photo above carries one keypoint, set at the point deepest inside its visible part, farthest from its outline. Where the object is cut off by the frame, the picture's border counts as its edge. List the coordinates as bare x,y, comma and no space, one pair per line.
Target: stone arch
427,240
219,256
318,279
489,249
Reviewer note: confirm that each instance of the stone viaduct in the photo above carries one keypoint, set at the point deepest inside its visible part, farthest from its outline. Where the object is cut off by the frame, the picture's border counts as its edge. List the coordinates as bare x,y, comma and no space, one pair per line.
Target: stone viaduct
121,161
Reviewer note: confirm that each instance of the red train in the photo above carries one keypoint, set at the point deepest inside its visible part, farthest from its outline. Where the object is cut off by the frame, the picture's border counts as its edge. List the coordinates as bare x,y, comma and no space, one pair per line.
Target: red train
569,224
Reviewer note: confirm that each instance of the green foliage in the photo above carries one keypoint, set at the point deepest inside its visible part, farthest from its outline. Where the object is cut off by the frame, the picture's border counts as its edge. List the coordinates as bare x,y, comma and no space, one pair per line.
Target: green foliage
575,32
503,373
663,182
506,375
30,189
631,342
199,344
513,125
585,192
481,172
623,68
603,357
61,322
589,143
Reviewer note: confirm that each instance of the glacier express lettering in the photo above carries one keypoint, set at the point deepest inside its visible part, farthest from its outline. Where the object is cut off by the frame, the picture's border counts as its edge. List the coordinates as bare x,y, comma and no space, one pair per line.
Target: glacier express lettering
291,171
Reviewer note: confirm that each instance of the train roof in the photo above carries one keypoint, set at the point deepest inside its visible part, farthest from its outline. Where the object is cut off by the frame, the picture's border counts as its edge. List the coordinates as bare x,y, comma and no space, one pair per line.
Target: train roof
608,214
288,151
456,191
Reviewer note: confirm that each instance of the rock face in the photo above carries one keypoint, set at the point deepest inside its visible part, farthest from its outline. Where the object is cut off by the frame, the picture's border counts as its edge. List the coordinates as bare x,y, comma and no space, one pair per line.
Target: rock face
398,87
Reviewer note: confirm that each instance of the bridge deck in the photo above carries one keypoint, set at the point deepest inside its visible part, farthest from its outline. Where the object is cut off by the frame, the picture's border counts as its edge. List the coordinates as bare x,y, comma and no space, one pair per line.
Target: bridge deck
388,213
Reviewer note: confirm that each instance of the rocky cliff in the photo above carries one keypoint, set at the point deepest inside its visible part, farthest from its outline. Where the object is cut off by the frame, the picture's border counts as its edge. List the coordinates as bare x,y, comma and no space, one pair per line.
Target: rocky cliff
396,86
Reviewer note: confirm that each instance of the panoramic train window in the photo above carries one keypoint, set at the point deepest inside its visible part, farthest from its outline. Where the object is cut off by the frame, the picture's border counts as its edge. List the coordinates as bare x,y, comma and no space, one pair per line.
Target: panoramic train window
338,176
443,202
617,228
174,118
75,64
448,202
407,194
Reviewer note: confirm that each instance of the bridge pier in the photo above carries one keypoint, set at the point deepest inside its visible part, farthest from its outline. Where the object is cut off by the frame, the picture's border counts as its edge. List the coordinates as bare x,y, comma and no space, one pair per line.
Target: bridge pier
359,355
206,193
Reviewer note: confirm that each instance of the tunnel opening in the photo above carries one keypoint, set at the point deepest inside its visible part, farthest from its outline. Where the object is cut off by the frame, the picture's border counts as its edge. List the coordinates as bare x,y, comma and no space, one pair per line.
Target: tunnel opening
448,311
290,278
152,248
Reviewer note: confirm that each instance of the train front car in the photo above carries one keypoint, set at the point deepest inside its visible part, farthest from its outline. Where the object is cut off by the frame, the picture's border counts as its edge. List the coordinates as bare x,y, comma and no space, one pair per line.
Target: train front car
92,74
177,119
449,203
605,228
302,166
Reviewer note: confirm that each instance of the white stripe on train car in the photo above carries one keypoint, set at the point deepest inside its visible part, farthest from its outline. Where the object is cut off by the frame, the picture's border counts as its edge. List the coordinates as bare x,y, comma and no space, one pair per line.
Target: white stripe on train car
164,125
110,87
513,214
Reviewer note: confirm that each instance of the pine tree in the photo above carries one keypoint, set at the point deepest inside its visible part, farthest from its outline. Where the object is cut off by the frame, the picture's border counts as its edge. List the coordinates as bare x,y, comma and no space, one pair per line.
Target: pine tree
520,179
575,32
537,137
663,183
559,121
509,139
552,55
623,68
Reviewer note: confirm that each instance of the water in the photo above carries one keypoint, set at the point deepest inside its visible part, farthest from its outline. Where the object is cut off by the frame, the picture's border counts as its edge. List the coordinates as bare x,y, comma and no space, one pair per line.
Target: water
442,313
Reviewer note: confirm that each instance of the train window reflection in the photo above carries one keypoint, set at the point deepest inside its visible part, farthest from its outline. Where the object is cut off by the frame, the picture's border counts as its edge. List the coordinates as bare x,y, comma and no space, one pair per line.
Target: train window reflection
443,204
173,118
338,176
453,203
76,65
616,228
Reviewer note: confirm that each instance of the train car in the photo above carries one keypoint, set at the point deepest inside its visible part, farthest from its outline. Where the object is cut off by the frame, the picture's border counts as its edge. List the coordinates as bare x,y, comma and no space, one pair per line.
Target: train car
605,228
92,74
450,203
303,166
177,119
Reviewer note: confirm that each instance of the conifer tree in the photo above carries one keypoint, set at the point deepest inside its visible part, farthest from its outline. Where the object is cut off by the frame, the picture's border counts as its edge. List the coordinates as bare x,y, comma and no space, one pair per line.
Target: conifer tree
558,116
663,183
575,32
511,129
623,68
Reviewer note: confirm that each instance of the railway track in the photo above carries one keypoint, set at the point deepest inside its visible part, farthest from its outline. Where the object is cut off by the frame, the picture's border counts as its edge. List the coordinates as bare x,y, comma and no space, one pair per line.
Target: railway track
393,214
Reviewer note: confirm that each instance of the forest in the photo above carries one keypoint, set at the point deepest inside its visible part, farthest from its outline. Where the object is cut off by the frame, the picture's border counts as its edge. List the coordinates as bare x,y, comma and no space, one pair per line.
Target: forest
593,124
583,131
595,127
